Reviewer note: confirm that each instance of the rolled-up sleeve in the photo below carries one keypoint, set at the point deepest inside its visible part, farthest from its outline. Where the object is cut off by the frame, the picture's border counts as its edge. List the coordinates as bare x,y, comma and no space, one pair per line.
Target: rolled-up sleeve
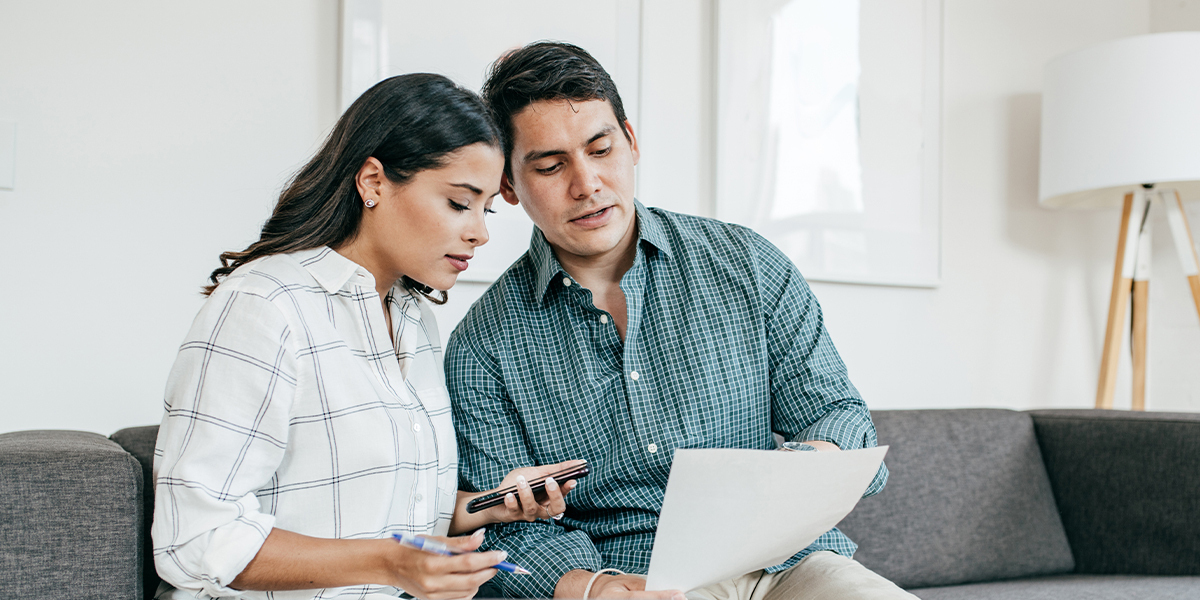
812,397
222,438
490,445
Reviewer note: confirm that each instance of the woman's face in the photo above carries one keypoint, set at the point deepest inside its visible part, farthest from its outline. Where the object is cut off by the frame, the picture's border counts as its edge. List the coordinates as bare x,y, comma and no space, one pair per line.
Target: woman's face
429,227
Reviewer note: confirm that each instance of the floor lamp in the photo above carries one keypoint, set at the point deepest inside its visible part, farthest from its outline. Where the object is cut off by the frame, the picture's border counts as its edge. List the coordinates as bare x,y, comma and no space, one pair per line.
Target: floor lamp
1121,126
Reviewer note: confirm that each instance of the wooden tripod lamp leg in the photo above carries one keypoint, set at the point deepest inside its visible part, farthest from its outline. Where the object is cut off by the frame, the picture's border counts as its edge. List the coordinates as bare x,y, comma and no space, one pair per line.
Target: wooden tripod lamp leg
1118,302
1184,245
1141,304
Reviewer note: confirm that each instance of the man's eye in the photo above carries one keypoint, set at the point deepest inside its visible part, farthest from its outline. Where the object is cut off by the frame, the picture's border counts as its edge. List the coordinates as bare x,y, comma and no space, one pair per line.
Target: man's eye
458,207
603,151
548,170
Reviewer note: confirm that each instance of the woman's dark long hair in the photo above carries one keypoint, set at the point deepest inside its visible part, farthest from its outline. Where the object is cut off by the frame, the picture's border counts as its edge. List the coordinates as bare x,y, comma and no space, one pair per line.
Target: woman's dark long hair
409,123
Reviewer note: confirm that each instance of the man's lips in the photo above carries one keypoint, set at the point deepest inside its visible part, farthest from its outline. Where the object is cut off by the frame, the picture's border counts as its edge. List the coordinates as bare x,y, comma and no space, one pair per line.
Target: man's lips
593,216
459,261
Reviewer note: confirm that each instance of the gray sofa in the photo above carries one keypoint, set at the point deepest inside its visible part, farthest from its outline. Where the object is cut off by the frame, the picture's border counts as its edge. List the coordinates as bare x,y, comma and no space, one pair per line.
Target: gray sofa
981,504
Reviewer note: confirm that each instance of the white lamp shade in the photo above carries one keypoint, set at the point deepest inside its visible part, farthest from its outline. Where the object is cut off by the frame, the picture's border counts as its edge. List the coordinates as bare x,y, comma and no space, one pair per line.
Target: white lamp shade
1119,115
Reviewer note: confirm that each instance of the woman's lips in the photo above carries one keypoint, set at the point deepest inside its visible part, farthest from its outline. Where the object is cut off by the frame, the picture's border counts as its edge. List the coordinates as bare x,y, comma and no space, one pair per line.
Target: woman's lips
459,262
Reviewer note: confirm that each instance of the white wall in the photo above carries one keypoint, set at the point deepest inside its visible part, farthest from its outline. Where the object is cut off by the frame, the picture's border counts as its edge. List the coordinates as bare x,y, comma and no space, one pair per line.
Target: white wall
153,136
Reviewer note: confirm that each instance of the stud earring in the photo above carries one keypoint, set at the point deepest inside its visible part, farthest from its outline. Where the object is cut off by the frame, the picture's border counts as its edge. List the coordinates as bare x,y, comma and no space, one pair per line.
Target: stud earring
370,202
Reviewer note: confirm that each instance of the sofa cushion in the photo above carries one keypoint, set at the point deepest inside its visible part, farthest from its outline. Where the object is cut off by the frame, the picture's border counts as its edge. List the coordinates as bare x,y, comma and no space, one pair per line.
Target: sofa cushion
139,441
1072,587
70,517
967,500
1128,488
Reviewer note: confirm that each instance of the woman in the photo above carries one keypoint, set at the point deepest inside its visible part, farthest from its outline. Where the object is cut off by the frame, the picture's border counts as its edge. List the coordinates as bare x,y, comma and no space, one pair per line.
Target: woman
307,418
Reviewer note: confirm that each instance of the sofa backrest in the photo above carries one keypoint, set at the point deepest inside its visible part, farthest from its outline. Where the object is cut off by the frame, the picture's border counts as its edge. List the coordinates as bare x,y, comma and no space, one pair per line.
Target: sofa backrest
139,441
1127,486
70,517
968,500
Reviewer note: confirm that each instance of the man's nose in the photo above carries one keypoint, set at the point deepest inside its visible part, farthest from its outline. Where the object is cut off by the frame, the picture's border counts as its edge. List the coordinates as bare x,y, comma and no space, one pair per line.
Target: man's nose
585,181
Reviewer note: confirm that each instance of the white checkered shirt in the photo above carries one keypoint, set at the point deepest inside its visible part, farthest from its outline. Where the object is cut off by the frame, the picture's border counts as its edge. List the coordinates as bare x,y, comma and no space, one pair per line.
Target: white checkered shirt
288,406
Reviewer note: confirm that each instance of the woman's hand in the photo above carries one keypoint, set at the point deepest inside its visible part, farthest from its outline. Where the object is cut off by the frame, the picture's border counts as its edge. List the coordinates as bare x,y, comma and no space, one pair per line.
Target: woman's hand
524,506
435,577
521,506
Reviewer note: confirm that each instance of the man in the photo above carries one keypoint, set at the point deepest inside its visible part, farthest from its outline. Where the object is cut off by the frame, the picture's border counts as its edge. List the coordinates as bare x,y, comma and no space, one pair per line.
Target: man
625,333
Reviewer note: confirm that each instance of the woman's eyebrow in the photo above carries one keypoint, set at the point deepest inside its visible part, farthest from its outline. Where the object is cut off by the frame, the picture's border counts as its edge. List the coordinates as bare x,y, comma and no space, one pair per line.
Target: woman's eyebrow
467,186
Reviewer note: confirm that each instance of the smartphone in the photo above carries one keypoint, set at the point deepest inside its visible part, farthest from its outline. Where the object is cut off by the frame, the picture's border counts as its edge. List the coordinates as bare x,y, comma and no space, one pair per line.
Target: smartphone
538,487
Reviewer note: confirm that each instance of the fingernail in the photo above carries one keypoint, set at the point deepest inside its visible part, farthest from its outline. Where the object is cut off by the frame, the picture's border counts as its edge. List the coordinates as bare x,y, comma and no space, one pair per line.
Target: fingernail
479,532
521,481
503,555
551,484
508,495
570,485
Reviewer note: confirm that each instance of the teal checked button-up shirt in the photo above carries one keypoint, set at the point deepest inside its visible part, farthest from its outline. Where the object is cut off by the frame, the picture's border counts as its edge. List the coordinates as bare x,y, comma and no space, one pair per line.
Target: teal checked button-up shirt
725,345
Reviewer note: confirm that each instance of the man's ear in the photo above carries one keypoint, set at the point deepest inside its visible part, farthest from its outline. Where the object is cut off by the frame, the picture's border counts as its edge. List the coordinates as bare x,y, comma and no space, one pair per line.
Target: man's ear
369,179
632,141
506,190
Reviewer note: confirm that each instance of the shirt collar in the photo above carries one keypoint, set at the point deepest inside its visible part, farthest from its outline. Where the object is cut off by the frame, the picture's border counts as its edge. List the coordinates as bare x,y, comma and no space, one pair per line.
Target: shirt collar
332,270
547,269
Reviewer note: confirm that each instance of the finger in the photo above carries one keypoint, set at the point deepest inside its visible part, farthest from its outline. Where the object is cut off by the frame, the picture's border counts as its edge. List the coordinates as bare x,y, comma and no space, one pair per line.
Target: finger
475,562
513,506
465,543
452,587
554,504
529,505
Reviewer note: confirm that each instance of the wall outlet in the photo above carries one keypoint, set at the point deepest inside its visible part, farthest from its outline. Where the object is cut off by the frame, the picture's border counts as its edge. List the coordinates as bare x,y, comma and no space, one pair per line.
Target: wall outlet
8,154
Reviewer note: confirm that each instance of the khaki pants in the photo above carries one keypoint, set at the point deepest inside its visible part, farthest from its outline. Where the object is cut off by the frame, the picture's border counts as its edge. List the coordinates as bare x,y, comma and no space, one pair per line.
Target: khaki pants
820,576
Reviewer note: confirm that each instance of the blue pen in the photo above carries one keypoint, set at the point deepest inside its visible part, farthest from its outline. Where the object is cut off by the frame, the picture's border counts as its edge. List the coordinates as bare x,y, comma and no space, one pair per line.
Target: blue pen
428,545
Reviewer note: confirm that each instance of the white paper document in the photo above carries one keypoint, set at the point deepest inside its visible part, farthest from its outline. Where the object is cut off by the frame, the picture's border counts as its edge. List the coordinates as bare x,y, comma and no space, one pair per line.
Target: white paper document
729,512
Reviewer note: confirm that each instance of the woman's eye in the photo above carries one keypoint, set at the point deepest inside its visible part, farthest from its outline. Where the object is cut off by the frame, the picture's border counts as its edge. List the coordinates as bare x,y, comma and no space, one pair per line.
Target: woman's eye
489,211
459,207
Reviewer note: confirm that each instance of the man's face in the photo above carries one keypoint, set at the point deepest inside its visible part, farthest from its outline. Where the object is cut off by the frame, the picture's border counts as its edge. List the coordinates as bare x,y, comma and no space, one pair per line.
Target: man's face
572,169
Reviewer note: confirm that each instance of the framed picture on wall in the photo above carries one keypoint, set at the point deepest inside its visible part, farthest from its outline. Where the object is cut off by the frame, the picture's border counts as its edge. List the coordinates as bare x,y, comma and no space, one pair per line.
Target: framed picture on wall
828,133
461,39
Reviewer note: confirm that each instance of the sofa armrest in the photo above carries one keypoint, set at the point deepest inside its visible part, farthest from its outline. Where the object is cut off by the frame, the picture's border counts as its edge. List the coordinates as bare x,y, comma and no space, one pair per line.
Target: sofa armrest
1127,486
70,516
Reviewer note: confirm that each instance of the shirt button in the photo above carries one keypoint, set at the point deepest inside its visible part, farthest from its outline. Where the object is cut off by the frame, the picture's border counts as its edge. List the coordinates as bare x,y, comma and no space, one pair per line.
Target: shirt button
416,426
633,375
418,497
604,319
566,282
652,448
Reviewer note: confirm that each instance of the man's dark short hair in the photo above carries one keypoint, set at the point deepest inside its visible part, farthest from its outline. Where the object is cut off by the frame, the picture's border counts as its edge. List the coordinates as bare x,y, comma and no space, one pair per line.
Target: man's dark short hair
545,71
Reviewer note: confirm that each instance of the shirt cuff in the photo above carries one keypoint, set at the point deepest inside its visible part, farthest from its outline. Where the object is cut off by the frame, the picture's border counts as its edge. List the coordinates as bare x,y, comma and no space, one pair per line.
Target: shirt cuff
847,428
546,550
210,562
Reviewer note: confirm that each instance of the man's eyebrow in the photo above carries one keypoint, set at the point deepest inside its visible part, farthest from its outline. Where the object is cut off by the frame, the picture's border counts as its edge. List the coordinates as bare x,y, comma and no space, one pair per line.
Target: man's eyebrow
532,156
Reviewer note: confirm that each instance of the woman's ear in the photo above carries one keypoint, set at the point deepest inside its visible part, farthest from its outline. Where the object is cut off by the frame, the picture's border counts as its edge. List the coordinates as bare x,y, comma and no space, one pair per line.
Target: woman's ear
369,181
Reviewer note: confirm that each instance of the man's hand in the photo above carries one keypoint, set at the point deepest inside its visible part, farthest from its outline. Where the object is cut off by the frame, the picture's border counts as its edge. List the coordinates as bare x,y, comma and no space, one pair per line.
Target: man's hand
823,446
631,587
